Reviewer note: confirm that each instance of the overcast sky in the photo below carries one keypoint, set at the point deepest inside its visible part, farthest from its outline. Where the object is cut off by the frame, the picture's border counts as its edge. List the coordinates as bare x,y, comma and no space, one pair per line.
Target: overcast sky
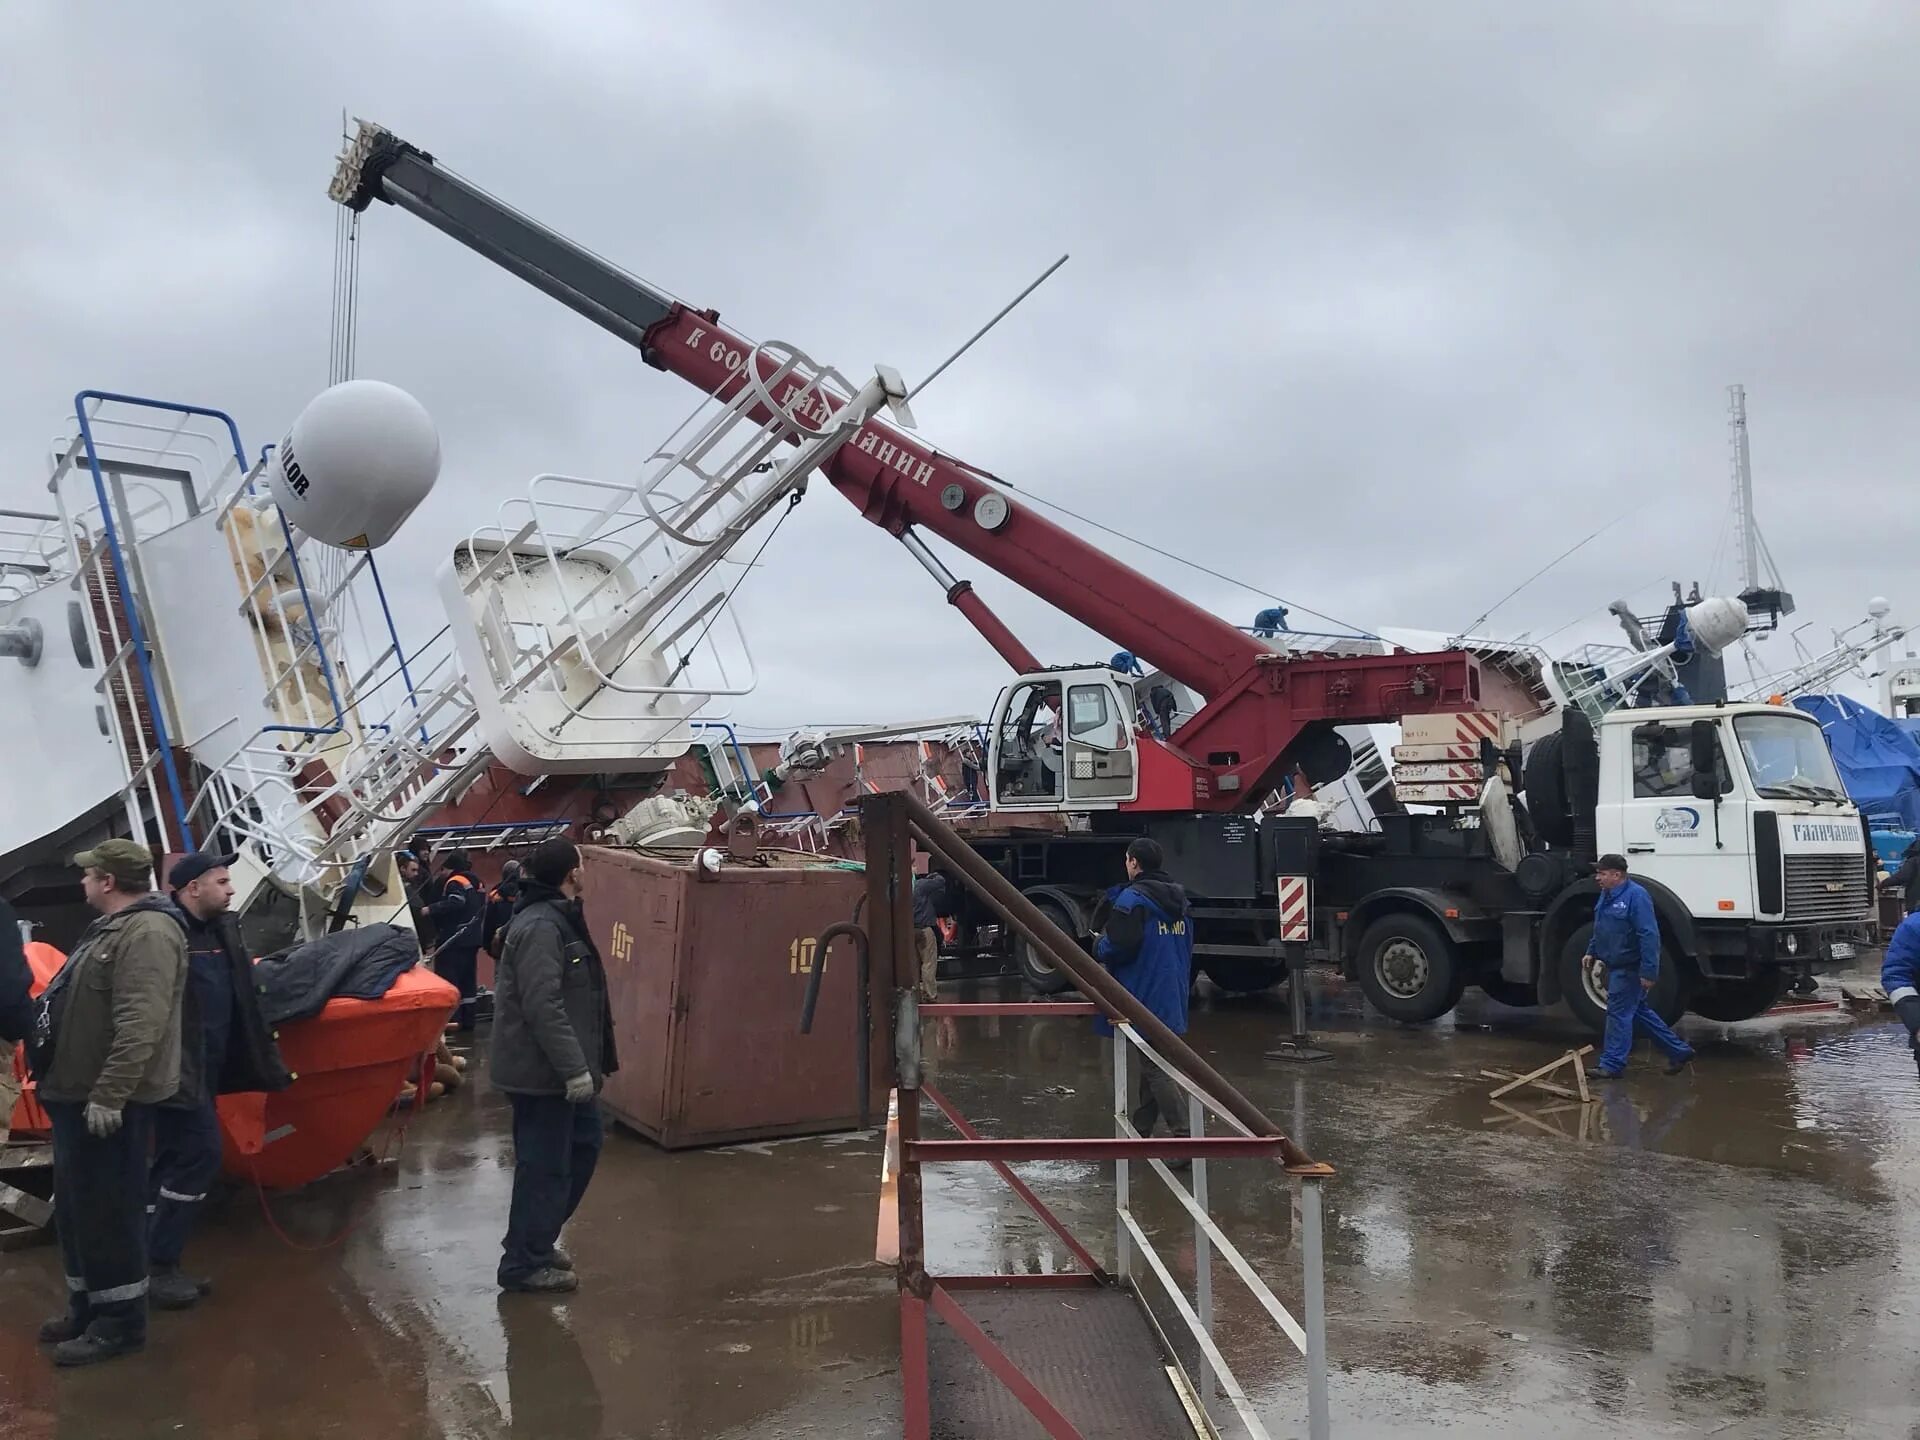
1376,307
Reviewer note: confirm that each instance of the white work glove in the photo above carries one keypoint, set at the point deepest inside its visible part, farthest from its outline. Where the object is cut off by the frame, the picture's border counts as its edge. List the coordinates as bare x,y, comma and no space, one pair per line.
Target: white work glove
580,1088
104,1120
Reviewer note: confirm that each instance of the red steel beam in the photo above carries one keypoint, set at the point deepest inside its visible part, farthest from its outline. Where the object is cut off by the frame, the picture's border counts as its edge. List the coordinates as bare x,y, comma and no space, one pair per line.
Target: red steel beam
1212,1147
993,629
1004,1370
1031,1007
1019,1186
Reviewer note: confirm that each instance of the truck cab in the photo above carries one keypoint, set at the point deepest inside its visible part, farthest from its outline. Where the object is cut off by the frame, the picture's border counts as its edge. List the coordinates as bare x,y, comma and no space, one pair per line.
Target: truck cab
1738,813
1733,817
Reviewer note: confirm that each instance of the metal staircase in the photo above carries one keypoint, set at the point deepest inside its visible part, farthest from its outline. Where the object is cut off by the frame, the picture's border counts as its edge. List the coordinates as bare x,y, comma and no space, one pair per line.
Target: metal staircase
593,618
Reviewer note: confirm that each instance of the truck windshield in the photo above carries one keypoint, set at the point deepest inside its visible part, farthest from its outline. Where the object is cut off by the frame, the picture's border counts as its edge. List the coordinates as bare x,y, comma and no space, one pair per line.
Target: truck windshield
1787,756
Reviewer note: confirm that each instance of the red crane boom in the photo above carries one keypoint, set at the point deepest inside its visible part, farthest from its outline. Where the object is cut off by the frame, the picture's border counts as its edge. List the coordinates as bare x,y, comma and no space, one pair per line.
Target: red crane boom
1260,703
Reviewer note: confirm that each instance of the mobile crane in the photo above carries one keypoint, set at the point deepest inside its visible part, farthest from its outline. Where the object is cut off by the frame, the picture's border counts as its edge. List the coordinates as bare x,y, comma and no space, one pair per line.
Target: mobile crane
1416,911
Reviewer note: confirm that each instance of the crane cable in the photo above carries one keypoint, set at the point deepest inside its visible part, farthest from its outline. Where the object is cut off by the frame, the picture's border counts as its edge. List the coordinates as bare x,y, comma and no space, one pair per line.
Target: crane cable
1474,625
1053,505
344,338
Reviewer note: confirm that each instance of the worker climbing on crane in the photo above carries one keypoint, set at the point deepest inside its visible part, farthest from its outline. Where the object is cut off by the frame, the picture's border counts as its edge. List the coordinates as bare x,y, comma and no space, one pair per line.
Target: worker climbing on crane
1147,942
1900,978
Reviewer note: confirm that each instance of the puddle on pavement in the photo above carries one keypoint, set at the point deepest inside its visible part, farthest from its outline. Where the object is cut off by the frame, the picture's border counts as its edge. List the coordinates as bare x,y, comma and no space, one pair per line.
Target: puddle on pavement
1713,1254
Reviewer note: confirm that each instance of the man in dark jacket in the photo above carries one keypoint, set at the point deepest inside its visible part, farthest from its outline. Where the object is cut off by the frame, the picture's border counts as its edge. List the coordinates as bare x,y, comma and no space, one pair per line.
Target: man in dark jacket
105,1051
1147,942
500,904
933,901
225,1048
413,880
552,1047
459,917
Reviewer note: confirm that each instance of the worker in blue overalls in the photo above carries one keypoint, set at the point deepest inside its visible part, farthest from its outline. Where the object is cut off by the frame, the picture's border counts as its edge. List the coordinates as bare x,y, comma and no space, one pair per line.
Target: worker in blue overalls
1147,942
1626,938
1900,978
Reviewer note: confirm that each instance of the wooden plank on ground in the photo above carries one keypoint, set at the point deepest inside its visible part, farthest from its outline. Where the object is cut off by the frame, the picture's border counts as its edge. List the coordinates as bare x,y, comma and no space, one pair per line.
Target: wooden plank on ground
1532,1077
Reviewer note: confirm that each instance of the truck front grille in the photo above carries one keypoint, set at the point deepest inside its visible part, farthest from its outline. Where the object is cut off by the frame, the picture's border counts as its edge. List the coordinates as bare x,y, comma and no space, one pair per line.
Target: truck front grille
1827,887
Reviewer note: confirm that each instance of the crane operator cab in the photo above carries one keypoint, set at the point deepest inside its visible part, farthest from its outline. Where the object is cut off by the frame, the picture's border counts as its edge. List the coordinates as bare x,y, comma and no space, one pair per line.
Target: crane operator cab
1064,740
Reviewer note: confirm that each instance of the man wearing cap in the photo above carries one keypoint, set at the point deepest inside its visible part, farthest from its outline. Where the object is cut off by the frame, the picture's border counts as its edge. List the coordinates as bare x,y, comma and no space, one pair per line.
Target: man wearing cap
1626,938
552,1046
225,1048
105,1051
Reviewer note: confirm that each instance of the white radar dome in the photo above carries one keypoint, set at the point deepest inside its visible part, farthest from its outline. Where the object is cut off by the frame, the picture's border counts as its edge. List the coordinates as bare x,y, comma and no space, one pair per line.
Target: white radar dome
356,463
1716,623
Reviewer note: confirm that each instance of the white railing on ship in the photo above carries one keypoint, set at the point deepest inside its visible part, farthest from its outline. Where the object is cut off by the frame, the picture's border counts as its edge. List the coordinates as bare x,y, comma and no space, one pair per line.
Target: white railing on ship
1307,1334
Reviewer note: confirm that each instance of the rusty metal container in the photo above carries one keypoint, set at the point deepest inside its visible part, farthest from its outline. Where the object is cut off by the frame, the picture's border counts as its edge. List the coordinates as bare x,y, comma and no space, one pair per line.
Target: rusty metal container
706,974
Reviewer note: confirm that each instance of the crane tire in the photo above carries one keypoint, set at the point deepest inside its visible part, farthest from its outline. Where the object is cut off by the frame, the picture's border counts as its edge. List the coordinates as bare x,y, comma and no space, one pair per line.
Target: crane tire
1546,792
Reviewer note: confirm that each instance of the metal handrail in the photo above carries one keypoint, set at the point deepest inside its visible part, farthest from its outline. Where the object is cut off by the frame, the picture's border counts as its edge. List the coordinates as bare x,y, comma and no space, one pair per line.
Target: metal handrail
1309,1338
889,820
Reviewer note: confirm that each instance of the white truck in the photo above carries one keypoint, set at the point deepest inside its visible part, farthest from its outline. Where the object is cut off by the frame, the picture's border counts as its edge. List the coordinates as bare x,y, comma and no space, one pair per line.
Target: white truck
1732,816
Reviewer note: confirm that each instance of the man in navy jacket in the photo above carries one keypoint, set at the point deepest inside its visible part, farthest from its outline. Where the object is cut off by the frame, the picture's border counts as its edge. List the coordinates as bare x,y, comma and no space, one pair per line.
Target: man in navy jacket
1147,942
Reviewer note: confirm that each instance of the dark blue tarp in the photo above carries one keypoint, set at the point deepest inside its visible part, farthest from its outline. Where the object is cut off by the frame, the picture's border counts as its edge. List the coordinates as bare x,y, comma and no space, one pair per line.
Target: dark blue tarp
1879,761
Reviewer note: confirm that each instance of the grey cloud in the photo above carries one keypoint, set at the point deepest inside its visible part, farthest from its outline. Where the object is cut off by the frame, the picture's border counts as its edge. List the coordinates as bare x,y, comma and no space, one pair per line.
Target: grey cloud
1377,307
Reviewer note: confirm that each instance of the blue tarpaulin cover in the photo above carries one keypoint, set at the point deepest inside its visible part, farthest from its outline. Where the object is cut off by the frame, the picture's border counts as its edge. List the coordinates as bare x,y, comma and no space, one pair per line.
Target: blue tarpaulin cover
1879,760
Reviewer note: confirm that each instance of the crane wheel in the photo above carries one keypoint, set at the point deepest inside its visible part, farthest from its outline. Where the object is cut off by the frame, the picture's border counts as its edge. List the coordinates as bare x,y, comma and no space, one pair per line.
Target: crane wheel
1041,974
1730,1000
1546,792
1408,969
1584,987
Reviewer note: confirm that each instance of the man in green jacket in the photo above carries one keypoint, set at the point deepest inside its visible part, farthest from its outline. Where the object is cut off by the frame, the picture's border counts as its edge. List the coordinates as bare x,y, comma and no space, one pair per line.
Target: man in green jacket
106,1050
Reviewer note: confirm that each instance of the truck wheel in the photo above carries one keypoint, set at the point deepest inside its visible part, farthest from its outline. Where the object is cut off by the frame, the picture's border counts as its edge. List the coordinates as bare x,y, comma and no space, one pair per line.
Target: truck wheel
1511,992
1729,1000
1408,969
1584,987
1546,792
1243,976
1039,971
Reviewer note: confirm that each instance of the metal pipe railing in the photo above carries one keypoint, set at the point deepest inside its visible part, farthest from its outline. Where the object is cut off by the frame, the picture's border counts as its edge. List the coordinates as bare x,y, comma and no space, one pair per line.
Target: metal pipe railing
1090,978
891,821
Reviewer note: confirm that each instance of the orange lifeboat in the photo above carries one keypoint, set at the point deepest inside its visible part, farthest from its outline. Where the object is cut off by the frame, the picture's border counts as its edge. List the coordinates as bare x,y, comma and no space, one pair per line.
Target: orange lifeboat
348,1063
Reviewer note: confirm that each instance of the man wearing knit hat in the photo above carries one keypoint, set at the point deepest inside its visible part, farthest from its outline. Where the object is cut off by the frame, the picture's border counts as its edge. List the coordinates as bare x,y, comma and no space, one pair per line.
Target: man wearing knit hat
552,1047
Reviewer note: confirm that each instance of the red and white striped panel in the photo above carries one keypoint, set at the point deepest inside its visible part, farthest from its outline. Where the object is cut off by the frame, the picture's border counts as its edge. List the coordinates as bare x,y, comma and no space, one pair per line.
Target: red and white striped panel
860,770
1436,774
1436,794
1467,727
1296,908
1434,754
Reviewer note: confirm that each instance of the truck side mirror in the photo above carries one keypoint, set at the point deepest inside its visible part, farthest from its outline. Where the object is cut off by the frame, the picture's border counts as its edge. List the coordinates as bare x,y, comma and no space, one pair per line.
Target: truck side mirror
1704,739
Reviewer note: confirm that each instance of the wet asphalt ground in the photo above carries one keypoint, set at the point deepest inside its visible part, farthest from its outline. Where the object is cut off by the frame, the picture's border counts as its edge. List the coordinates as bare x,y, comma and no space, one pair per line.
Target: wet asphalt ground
1724,1254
